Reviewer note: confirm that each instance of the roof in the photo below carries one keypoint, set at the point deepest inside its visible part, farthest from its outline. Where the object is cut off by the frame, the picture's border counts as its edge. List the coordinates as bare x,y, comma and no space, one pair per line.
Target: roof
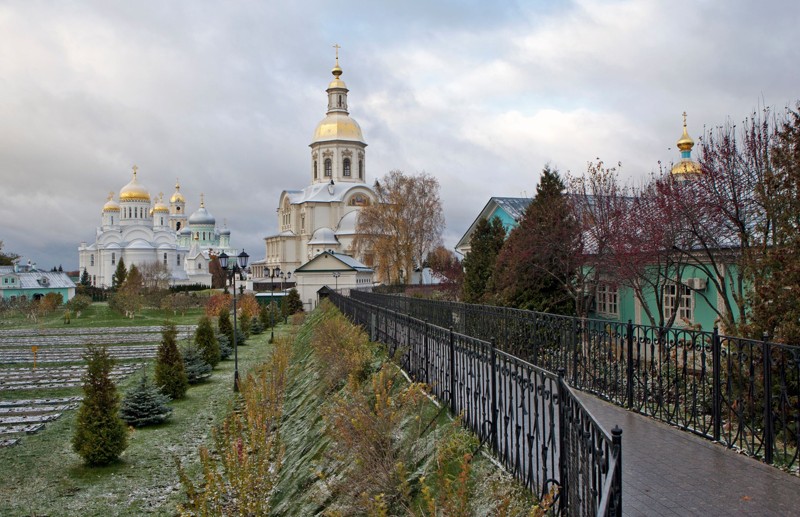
514,206
322,193
345,260
39,279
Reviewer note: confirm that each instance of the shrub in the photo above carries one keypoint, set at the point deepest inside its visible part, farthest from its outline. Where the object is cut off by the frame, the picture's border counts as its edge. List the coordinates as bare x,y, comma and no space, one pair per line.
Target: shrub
257,328
144,404
207,342
218,304
293,301
225,326
225,349
197,369
343,350
79,303
170,374
100,434
245,326
240,476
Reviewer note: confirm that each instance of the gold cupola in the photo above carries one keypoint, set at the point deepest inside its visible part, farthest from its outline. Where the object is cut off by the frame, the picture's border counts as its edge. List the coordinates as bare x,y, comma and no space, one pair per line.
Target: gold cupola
177,197
111,205
134,191
686,168
160,206
337,124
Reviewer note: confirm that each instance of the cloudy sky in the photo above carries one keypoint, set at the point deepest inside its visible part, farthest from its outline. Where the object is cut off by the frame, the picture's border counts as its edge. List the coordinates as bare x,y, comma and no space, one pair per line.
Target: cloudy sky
225,96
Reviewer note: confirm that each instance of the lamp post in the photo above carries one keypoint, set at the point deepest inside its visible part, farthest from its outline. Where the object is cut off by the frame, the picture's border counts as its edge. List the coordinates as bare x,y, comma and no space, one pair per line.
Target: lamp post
241,263
275,273
282,275
336,276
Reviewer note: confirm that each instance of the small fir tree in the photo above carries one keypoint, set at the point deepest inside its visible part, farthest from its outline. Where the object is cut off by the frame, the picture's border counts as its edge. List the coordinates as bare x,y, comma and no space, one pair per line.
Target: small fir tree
207,342
197,369
263,316
85,280
225,349
170,373
120,274
257,327
225,326
100,434
245,327
145,404
294,302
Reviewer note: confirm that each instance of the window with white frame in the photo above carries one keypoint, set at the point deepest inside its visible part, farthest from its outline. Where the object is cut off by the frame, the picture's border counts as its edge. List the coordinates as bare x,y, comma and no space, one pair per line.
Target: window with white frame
607,299
678,297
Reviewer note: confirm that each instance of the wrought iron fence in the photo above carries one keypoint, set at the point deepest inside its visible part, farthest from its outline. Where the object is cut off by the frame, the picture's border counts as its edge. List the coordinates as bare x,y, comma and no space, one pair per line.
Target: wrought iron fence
529,416
743,393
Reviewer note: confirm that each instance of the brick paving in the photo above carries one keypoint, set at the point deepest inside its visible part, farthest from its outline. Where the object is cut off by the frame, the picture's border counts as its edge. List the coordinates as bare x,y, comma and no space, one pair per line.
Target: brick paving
667,471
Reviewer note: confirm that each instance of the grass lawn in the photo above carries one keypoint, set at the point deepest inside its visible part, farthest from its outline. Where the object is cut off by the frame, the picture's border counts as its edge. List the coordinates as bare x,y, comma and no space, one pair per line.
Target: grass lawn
42,476
99,315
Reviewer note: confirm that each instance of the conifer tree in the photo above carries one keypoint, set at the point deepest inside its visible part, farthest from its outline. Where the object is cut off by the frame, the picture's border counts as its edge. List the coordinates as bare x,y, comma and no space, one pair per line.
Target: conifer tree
100,434
170,374
294,302
144,404
485,244
85,280
196,368
225,349
120,274
206,342
245,327
225,326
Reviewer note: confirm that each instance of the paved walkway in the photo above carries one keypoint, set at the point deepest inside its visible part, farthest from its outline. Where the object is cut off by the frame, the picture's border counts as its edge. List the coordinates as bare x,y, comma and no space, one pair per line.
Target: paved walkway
667,471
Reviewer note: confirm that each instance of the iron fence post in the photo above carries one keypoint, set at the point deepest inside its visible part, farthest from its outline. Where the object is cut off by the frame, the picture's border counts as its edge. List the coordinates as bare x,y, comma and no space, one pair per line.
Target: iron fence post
629,353
452,372
373,331
616,440
563,475
574,351
716,392
769,432
493,360
425,352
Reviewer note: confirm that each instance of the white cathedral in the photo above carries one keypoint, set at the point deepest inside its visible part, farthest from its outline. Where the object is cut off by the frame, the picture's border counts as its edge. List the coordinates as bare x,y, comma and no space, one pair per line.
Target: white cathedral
322,217
140,230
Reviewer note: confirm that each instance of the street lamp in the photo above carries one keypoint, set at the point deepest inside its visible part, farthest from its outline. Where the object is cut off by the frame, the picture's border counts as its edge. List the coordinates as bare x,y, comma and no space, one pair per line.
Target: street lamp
282,275
275,273
241,263
336,276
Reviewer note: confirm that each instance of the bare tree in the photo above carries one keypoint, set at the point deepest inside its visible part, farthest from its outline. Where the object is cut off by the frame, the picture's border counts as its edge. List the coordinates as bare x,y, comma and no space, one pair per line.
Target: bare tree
403,225
155,275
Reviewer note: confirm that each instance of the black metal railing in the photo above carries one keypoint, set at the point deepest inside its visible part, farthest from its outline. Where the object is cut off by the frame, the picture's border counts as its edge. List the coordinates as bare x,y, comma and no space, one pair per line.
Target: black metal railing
531,419
743,393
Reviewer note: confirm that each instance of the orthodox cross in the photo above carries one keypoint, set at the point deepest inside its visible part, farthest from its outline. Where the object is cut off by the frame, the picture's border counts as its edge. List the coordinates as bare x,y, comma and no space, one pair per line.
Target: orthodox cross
684,119
135,168
337,47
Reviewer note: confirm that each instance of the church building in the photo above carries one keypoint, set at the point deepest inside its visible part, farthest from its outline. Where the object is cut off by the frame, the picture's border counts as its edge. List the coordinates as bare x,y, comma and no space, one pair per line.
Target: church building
322,216
140,230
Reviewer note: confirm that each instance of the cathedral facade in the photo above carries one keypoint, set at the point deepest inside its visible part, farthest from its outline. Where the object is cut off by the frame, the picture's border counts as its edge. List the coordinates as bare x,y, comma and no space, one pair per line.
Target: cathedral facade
141,230
322,217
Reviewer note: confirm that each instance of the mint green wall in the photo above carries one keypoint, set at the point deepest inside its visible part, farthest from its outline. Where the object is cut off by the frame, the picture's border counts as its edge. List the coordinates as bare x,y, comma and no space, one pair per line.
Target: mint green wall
508,222
704,307
31,293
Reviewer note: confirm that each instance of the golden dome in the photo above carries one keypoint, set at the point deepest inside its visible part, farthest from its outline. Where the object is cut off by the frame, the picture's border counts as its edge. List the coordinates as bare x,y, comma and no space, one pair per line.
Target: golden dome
111,205
133,191
686,167
160,206
338,126
177,197
685,143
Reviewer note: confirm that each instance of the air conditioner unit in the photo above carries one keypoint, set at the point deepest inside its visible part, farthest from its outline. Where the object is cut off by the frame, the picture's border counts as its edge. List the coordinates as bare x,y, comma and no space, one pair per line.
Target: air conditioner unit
698,284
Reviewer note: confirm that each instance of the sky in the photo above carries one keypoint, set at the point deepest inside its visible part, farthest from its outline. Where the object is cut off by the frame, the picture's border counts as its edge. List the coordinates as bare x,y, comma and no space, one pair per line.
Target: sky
225,96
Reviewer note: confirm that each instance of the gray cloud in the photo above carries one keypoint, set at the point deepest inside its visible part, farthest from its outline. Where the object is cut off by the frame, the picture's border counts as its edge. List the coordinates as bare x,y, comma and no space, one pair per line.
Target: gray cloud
225,96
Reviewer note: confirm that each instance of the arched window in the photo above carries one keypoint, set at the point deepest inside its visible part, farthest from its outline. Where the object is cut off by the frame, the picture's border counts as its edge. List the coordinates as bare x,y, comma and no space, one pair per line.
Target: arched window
113,258
328,167
112,219
199,265
361,169
340,101
178,226
91,259
315,169
346,166
204,235
178,259
165,259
